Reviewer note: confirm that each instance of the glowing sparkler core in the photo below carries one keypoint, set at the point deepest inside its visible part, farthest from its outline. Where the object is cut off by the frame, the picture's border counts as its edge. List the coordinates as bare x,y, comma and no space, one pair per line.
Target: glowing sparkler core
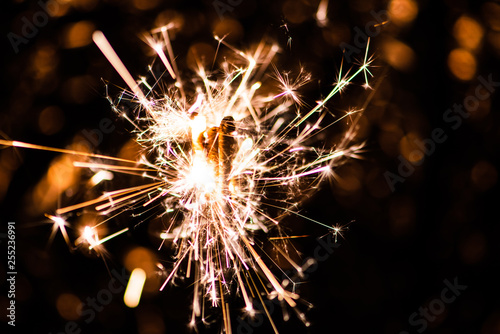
90,236
219,161
59,224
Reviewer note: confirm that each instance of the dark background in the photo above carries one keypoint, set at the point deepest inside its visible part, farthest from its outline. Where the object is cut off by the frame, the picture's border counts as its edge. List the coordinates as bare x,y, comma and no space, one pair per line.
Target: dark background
440,224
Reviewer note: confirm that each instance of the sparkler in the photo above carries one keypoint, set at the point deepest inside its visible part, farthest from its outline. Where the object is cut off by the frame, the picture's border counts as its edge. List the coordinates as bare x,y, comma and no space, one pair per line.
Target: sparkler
224,160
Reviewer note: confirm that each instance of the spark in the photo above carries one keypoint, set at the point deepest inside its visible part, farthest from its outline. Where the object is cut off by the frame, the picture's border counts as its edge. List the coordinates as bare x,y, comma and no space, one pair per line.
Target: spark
158,47
90,236
59,224
290,88
109,237
103,44
221,161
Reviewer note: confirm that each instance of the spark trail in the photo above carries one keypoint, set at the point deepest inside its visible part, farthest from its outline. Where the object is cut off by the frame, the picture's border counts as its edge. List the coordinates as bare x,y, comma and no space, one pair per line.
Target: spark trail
223,160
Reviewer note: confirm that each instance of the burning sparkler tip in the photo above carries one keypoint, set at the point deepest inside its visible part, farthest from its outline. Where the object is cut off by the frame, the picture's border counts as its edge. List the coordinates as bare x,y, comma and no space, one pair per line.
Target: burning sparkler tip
214,169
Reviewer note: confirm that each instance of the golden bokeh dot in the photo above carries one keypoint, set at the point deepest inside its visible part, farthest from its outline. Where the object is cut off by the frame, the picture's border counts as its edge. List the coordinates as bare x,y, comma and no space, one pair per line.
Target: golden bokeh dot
402,12
85,5
229,29
67,305
296,11
349,183
62,172
81,143
200,54
491,15
468,33
145,4
78,89
483,106
398,55
44,61
336,33
78,34
57,8
462,64
143,258
50,120
484,175
349,177
131,150
60,176
410,149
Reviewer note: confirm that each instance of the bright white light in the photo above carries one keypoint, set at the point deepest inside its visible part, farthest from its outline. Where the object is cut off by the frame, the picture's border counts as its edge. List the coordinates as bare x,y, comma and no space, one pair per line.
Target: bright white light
134,288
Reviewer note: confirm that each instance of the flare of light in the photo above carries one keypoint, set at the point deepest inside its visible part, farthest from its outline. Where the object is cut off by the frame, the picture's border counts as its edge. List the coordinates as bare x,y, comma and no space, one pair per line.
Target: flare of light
134,288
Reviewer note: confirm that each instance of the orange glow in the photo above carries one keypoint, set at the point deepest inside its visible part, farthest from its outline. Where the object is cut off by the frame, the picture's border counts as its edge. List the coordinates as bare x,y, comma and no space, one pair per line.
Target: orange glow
350,177
468,33
142,258
174,21
230,28
484,175
44,62
403,12
10,159
409,148
200,53
61,172
60,9
484,106
398,55
296,11
60,176
51,120
462,64
336,33
145,4
491,15
86,5
67,305
78,34
130,150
